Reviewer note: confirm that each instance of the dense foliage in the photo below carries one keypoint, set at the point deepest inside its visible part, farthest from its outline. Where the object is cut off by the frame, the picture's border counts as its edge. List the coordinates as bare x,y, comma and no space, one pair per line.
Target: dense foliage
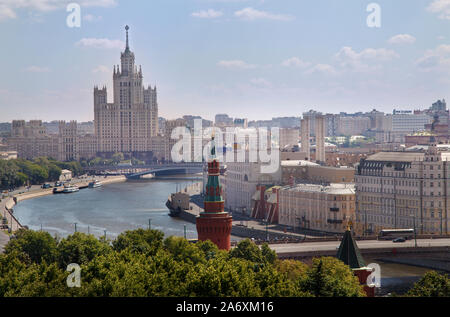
143,263
432,284
16,173
114,160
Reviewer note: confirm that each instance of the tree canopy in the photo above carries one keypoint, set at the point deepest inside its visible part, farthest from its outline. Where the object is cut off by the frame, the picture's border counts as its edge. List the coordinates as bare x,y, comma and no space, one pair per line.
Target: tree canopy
144,263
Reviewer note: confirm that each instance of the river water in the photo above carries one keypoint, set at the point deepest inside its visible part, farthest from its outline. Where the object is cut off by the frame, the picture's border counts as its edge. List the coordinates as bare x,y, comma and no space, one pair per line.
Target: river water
113,207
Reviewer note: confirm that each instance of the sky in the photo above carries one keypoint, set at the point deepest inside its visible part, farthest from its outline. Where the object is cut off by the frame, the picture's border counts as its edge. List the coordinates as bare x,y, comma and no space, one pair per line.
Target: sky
254,59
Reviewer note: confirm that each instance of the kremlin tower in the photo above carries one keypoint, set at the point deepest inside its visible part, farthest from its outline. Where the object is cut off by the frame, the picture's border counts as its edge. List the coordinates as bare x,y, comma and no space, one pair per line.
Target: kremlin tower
214,224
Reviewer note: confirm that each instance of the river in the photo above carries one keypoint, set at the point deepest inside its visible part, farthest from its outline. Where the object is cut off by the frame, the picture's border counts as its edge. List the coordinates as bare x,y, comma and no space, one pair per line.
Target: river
113,207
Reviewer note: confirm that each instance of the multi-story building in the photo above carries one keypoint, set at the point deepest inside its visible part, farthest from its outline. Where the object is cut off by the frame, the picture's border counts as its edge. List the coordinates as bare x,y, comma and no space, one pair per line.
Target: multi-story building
327,208
400,189
168,141
309,172
68,141
223,120
242,179
240,123
31,129
31,140
353,125
289,137
128,124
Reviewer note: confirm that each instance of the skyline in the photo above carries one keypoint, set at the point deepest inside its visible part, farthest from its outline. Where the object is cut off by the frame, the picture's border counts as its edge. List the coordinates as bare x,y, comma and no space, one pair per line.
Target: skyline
247,58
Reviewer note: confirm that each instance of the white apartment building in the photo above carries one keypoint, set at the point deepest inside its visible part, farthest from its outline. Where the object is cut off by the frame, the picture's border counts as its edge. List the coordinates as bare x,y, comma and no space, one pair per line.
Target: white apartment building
241,181
323,208
398,189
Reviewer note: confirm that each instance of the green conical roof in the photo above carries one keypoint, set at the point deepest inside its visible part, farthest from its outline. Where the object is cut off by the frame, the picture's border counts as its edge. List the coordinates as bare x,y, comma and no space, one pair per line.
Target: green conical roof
349,252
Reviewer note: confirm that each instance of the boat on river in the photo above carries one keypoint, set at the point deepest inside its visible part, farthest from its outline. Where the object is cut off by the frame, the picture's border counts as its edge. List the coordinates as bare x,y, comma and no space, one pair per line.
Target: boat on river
95,184
71,189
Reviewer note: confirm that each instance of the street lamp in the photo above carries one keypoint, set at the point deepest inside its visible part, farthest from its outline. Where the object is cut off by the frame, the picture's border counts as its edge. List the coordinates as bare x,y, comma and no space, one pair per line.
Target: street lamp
415,233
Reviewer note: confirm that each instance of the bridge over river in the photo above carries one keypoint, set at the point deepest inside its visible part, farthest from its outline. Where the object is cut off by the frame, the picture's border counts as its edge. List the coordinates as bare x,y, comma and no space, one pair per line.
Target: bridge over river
373,248
137,171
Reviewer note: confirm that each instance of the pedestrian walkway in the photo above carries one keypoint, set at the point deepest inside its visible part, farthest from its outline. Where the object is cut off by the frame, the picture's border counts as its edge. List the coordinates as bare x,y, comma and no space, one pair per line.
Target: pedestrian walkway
4,239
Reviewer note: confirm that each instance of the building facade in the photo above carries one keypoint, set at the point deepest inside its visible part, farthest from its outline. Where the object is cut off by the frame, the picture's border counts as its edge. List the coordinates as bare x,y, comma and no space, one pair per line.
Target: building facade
316,207
397,190
128,124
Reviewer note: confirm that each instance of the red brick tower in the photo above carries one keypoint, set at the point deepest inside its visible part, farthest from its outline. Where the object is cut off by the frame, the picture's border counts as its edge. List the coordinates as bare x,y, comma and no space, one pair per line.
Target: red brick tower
214,224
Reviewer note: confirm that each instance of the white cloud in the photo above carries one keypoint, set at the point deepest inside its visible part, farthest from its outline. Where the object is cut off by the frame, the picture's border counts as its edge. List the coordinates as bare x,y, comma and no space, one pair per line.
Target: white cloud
8,8
6,13
437,59
441,7
251,14
322,69
368,59
295,62
402,39
237,64
101,69
261,82
101,43
37,69
207,14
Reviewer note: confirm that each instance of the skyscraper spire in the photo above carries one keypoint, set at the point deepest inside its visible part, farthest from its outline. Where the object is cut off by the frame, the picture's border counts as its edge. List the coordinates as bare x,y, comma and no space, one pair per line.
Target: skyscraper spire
127,48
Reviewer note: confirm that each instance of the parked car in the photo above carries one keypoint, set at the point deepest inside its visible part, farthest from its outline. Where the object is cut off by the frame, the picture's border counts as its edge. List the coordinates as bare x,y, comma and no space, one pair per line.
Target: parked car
45,186
399,240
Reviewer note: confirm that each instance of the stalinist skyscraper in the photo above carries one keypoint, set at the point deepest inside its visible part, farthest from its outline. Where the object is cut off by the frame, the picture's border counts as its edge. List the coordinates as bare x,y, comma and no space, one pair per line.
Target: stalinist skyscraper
128,124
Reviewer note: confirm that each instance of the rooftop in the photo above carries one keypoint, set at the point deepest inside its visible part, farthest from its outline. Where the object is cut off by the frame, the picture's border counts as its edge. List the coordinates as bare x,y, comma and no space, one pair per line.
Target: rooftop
333,189
298,163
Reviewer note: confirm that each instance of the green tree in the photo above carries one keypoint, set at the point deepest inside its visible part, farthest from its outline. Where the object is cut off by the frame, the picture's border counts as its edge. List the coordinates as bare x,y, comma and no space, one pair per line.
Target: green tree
80,248
248,250
139,241
330,277
37,246
118,157
292,268
432,284
54,172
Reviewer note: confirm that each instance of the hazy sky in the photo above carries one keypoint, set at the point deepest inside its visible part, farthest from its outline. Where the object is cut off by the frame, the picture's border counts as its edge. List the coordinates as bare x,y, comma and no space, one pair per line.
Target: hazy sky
249,58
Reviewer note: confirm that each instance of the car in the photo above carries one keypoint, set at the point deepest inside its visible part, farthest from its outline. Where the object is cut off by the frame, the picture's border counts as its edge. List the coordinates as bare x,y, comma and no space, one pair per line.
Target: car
398,240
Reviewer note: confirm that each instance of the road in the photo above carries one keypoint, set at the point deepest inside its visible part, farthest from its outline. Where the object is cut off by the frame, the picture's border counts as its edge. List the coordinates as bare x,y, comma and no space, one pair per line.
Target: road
4,239
365,244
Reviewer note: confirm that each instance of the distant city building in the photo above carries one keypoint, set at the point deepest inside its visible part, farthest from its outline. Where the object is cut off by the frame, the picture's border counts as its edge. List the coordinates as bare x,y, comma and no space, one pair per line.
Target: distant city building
161,125
128,124
31,140
5,127
281,122
223,120
190,121
353,125
289,137
240,123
